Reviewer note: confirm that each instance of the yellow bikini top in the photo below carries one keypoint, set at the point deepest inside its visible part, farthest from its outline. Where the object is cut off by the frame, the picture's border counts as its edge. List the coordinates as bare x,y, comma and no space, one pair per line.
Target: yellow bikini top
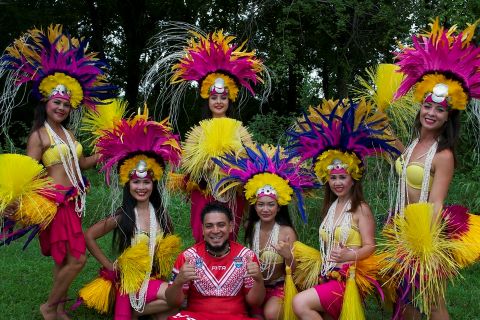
415,171
51,156
271,255
354,238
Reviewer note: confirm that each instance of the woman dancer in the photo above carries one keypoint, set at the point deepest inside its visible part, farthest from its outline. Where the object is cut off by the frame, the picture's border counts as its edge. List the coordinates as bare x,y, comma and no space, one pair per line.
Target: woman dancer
443,67
338,139
64,77
222,70
270,180
141,148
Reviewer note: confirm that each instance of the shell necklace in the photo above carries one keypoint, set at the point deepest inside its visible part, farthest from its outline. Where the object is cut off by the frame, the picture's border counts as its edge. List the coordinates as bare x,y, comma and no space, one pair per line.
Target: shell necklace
71,166
329,225
268,263
138,300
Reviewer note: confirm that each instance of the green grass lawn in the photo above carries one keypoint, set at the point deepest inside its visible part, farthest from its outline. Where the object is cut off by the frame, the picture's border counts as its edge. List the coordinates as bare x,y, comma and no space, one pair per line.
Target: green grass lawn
26,275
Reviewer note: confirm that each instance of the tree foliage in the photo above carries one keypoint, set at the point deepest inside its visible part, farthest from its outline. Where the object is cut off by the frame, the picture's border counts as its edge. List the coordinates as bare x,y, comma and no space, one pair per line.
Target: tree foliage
313,48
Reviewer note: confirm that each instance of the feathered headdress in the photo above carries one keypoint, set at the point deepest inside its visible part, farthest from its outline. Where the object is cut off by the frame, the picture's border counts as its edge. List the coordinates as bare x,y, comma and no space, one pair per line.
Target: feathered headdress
57,65
443,65
215,56
214,61
265,171
137,145
339,137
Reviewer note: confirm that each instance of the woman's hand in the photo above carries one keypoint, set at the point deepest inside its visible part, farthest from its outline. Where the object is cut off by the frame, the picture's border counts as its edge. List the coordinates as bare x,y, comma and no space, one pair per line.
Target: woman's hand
342,254
284,248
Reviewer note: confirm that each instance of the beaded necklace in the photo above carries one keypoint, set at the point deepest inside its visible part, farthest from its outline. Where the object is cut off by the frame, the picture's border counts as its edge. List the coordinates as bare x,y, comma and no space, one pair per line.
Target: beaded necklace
137,301
329,224
71,166
267,263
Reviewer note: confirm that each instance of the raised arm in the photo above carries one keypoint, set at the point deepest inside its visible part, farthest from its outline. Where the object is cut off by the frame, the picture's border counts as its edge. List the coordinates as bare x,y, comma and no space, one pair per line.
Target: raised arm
284,246
88,162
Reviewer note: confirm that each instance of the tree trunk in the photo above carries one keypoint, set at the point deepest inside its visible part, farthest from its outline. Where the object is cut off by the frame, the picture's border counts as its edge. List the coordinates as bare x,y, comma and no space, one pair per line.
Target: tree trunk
132,13
98,29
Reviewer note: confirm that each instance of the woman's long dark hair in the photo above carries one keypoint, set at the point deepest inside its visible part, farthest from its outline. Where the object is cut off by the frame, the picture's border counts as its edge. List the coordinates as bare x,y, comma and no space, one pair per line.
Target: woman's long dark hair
450,134
356,197
282,218
125,216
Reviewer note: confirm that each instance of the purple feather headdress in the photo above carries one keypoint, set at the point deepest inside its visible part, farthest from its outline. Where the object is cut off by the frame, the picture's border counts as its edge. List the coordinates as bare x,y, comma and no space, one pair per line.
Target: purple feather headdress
265,171
443,65
58,65
340,137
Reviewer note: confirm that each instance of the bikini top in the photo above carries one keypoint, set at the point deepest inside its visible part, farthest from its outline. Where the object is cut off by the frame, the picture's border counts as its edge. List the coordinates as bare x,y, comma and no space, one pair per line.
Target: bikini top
268,254
51,156
354,238
414,174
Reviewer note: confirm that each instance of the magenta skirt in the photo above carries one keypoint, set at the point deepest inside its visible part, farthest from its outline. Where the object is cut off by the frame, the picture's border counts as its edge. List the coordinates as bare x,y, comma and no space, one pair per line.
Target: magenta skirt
64,235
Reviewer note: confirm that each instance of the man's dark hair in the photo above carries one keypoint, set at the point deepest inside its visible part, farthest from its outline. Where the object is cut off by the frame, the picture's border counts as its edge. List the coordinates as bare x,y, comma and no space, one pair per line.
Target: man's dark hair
217,207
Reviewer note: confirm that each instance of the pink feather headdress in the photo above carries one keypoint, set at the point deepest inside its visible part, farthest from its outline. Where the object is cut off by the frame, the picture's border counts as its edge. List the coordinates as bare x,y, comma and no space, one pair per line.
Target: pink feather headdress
141,139
208,58
212,62
443,65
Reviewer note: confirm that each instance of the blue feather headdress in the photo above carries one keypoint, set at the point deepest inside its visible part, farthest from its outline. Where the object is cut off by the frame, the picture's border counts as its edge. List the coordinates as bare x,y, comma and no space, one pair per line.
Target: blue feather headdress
339,136
265,170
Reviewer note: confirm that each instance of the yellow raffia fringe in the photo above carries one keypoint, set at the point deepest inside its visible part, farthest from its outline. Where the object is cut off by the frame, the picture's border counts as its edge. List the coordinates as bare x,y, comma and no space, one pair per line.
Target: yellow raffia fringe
73,86
367,270
352,307
212,138
35,209
230,84
308,263
130,164
99,295
21,177
281,186
103,118
416,245
134,264
289,292
166,251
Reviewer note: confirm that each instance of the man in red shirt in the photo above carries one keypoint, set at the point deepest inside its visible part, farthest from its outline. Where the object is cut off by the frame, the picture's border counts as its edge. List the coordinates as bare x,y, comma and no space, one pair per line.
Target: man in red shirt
219,277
